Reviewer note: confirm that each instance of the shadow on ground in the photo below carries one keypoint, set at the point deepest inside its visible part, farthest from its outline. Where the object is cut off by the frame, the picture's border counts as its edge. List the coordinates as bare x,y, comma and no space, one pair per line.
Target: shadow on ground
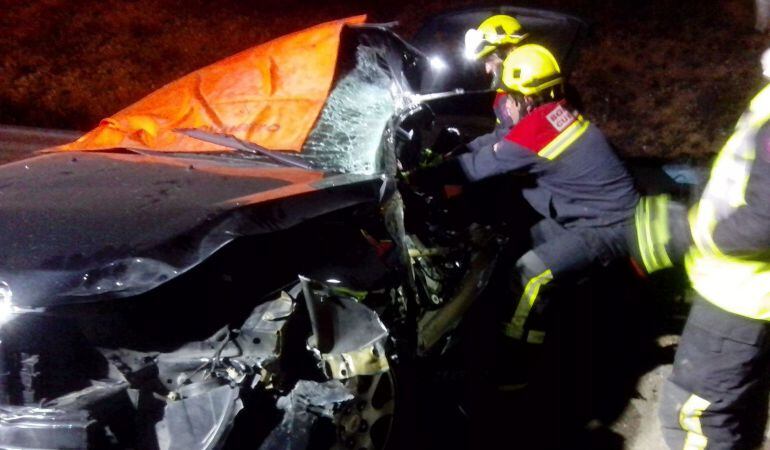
602,338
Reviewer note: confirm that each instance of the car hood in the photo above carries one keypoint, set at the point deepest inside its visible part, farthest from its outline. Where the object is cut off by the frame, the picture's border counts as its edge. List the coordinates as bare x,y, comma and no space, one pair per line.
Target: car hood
84,226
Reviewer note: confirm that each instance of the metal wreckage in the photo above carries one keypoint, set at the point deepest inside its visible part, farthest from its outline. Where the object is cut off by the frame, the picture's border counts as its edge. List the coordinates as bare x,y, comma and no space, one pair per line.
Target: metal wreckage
158,293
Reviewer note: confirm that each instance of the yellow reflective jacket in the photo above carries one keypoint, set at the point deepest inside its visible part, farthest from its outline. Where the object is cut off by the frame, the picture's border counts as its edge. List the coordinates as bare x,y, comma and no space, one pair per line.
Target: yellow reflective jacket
740,285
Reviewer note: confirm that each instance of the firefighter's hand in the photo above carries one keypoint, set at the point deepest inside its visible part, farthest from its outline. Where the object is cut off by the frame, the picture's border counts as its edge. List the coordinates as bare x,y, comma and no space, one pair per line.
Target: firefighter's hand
429,158
414,178
458,150
404,176
434,178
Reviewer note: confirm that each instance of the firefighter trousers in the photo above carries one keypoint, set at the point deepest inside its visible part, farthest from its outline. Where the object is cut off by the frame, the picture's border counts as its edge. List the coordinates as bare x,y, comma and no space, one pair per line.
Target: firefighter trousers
558,253
716,396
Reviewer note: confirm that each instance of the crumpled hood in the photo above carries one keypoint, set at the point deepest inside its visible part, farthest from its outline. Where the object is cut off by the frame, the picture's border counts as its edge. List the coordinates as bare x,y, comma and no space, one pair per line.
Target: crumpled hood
76,226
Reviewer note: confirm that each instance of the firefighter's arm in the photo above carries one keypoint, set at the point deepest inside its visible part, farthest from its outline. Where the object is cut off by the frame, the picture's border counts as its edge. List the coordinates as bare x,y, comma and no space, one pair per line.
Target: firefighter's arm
501,157
660,234
746,231
485,140
433,178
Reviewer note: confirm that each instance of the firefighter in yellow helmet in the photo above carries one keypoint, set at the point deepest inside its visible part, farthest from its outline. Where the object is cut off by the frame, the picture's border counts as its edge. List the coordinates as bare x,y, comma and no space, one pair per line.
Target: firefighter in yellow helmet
718,383
490,43
581,189
494,33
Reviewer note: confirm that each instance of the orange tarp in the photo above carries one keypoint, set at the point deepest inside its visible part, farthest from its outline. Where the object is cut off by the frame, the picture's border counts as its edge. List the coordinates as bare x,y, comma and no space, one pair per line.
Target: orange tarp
270,94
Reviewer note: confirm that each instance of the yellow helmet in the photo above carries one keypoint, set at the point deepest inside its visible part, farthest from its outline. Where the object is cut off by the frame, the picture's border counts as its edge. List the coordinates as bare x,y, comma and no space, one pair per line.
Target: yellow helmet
492,33
530,69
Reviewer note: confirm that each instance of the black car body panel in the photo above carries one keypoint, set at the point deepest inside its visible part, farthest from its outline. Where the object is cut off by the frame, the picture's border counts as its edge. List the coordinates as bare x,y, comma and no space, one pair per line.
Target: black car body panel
88,226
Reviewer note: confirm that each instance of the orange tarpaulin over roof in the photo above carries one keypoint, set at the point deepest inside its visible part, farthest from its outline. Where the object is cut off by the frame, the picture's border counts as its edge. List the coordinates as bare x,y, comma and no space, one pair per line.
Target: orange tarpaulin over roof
270,94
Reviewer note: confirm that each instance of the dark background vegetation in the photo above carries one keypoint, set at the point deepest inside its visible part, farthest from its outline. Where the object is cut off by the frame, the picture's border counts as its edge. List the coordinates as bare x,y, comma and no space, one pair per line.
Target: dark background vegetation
663,78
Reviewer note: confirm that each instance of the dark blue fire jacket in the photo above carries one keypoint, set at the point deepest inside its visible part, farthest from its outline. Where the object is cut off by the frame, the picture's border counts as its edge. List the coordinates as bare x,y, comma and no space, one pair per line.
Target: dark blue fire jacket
580,182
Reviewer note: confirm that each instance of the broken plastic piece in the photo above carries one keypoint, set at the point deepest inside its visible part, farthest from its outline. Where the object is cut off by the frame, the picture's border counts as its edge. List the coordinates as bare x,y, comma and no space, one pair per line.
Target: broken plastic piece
199,422
43,428
302,407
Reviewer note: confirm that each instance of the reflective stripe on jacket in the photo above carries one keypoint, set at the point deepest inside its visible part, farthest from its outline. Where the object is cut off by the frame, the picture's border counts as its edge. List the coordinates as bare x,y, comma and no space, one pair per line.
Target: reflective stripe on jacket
580,180
738,284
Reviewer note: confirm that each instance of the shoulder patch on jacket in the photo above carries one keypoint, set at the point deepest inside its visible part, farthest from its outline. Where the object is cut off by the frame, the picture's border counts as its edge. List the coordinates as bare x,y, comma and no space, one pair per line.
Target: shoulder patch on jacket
560,118
540,127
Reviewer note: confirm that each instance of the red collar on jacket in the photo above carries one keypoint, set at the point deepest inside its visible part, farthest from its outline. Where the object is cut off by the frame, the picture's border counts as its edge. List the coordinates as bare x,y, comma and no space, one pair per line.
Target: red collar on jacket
541,126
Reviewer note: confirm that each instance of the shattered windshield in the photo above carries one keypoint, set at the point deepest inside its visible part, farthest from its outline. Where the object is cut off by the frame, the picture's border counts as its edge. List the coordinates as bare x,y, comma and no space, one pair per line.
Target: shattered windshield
348,132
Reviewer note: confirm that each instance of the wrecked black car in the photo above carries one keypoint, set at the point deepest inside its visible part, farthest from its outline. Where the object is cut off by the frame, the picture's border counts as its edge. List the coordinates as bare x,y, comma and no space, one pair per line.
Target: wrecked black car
248,297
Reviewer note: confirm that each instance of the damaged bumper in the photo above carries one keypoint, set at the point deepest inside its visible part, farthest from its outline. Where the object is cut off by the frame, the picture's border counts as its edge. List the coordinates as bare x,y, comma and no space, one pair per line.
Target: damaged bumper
25,427
348,337
196,392
201,421
67,422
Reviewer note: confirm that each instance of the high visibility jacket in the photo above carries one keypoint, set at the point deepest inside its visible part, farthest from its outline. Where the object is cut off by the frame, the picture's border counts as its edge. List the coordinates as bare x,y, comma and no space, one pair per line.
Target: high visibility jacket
726,265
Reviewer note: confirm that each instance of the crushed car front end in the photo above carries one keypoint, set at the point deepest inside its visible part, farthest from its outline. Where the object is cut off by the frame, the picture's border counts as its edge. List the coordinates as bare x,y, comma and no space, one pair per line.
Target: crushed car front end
151,297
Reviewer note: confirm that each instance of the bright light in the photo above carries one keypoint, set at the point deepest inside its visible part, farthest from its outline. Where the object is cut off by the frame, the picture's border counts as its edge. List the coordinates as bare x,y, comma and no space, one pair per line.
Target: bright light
333,281
395,90
473,40
437,64
6,303
766,63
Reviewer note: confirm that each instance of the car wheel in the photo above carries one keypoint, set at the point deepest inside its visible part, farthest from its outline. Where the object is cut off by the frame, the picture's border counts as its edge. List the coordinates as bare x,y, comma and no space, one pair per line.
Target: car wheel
381,414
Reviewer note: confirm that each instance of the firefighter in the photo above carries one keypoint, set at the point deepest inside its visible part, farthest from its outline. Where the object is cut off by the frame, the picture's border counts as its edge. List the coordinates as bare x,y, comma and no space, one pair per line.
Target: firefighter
720,367
581,189
491,42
